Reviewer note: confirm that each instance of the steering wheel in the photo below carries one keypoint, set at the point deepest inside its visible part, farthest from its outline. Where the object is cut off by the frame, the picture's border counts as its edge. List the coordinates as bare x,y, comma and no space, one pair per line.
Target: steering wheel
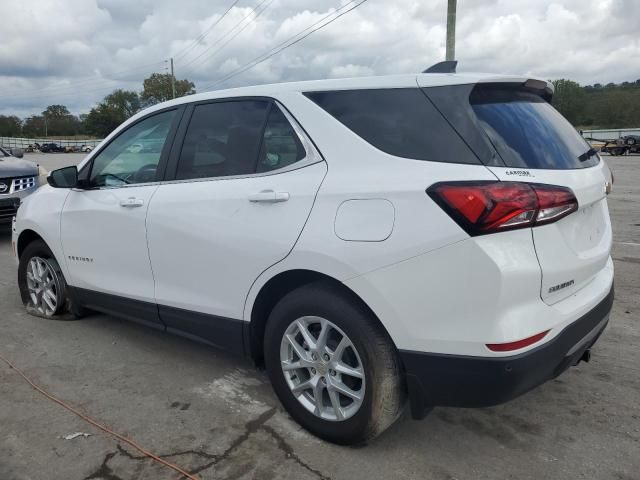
146,173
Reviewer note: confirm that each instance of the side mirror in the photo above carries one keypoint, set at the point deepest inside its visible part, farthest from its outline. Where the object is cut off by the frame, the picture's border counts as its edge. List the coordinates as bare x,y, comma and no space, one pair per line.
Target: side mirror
17,152
66,177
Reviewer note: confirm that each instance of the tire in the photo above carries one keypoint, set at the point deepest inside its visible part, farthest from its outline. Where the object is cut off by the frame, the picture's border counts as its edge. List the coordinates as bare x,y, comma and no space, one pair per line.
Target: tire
617,151
370,352
42,255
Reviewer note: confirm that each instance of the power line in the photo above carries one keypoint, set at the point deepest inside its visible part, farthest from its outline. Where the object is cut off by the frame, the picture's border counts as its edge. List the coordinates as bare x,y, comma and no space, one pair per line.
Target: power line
201,37
275,50
256,61
253,10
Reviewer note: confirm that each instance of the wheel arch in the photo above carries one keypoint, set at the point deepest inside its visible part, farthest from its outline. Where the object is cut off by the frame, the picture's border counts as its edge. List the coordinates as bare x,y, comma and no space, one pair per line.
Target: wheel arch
25,238
273,291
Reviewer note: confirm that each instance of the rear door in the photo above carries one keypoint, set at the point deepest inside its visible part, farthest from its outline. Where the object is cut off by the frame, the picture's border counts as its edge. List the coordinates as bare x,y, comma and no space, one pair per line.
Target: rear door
537,145
245,183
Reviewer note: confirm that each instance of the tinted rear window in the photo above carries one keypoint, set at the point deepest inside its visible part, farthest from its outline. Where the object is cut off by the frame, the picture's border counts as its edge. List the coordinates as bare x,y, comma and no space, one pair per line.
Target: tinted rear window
402,122
527,131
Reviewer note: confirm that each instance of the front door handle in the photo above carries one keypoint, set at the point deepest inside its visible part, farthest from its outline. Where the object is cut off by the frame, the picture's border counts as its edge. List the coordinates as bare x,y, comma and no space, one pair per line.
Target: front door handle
132,202
269,196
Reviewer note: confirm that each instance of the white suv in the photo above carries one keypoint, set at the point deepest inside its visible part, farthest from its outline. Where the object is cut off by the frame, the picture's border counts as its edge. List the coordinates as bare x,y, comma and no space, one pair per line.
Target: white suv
441,237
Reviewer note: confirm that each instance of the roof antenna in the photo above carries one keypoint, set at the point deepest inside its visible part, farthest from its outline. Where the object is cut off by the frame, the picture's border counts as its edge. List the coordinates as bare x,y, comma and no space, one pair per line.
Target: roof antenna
448,66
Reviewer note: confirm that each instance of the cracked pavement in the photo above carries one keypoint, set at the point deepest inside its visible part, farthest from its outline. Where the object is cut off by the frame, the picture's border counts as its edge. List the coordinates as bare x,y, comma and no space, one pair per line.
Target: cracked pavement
215,416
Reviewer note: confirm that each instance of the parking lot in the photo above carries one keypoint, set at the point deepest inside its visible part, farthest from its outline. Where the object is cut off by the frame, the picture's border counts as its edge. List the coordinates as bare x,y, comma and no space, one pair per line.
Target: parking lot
216,416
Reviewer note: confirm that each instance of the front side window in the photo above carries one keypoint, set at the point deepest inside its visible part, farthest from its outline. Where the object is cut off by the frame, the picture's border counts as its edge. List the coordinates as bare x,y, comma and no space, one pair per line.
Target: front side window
134,155
223,139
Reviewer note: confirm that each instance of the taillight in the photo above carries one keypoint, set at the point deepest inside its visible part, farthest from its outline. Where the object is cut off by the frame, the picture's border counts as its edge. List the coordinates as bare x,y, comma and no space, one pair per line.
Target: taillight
509,347
486,206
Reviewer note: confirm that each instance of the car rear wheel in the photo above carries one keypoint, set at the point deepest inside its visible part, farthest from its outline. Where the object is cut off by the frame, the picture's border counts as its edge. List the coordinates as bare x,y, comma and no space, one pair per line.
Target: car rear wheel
616,151
332,365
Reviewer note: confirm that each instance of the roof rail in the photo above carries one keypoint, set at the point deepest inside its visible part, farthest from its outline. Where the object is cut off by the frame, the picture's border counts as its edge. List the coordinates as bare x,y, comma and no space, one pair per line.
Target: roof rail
448,66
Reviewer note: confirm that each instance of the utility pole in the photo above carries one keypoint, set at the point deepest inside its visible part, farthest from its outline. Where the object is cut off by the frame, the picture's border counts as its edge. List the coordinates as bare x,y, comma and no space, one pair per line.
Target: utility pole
451,30
173,81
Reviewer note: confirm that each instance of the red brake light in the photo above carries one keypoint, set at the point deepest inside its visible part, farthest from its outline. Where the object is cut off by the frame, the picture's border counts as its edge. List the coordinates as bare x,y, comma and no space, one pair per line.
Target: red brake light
487,207
525,342
554,203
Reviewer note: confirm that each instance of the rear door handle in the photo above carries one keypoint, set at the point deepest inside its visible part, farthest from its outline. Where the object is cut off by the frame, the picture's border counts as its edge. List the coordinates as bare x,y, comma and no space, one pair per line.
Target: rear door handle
269,196
132,202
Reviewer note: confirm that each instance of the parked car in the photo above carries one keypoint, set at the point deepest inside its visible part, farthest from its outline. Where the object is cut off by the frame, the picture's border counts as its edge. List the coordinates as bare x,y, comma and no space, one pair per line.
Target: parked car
18,178
622,145
438,237
51,148
86,148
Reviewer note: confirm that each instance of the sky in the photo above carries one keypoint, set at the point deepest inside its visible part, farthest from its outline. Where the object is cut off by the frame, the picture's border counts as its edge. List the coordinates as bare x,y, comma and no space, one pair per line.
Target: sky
74,52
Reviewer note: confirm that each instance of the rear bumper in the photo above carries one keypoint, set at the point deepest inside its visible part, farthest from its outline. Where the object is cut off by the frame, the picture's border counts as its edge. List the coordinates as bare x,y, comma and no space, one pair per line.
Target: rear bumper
469,381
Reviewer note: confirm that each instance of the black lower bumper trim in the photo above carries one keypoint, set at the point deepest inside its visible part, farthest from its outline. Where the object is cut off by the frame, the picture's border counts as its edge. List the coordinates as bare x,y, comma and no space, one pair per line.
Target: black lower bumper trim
465,381
8,209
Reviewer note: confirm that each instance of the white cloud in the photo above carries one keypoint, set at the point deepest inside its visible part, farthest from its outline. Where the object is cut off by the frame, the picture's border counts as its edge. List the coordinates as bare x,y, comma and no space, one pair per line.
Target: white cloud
76,51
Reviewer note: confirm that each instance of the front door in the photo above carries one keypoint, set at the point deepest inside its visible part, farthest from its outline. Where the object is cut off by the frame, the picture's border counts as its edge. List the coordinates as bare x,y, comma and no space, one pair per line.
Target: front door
242,193
103,226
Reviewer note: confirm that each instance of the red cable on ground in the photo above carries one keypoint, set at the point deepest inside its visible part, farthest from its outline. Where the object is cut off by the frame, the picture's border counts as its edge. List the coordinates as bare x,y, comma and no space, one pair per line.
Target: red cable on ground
98,425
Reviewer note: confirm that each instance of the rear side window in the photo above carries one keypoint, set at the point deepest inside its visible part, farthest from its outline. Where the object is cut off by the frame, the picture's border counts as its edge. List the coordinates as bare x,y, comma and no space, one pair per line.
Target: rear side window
527,131
223,139
402,122
281,146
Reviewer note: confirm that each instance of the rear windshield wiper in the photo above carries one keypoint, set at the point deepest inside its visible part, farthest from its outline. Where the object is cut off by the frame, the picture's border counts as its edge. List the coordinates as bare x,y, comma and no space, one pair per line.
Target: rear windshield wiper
588,154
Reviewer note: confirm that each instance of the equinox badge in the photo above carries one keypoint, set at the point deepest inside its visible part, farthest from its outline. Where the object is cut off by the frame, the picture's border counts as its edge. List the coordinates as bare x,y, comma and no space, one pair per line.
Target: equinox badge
561,286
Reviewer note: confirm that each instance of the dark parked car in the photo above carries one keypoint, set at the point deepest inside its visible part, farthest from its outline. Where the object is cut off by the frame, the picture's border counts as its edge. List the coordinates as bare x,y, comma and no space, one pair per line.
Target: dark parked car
51,148
18,178
626,144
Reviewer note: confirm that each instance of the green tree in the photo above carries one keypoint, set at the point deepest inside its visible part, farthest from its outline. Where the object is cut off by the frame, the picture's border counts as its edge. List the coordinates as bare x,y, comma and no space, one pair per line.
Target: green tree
569,99
10,126
111,112
612,106
60,121
56,111
34,126
157,88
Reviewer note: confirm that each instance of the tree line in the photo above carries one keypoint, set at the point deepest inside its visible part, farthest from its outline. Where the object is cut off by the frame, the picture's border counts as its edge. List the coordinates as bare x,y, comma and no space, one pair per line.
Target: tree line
598,106
115,108
586,107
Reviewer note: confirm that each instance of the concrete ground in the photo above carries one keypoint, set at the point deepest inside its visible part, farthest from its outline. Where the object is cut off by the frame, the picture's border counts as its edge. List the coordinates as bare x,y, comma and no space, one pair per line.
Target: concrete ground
216,416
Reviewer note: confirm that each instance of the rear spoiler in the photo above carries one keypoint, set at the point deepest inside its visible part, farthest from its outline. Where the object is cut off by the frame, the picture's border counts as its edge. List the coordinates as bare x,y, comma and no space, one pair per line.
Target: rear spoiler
541,87
545,88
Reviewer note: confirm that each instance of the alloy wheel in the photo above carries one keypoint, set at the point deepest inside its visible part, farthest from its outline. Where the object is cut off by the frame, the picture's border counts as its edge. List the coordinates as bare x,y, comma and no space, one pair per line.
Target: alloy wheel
43,285
322,368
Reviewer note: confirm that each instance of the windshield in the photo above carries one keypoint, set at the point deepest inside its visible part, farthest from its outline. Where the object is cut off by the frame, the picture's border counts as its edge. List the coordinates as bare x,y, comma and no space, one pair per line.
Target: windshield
527,131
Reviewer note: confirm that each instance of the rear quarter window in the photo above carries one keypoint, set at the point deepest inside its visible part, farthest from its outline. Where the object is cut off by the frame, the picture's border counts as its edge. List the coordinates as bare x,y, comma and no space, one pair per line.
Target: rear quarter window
401,122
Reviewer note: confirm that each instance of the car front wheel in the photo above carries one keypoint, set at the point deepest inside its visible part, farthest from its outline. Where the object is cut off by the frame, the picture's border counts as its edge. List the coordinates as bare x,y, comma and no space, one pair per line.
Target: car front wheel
42,284
332,365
